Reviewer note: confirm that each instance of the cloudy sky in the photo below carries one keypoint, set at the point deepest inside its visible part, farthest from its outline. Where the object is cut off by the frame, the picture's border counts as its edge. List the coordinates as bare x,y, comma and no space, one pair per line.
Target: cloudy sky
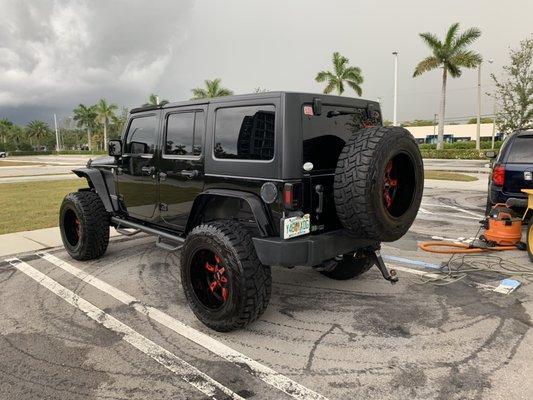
55,54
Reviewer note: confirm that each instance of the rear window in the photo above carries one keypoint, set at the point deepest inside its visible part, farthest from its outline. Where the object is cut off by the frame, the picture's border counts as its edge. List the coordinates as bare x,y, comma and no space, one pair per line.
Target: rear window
324,136
522,150
245,133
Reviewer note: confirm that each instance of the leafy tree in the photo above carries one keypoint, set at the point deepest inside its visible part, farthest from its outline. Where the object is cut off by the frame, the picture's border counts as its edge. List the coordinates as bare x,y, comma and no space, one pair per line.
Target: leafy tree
5,127
260,89
153,100
342,74
213,88
483,120
418,122
104,114
451,55
85,117
16,135
118,122
37,130
515,91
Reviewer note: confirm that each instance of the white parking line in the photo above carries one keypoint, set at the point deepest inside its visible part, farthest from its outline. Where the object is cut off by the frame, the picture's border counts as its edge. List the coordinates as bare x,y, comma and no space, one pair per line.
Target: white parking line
477,215
266,374
181,368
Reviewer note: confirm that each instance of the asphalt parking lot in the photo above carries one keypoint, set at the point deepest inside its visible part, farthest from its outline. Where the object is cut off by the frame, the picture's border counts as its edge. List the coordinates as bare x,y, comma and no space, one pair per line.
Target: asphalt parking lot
120,328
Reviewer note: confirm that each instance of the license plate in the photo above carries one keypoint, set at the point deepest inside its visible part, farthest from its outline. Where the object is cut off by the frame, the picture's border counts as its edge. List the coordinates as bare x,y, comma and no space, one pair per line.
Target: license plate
296,226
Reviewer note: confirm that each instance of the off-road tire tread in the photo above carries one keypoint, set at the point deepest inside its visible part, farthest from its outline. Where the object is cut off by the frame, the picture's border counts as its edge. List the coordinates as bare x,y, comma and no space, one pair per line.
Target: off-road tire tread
257,277
354,179
95,224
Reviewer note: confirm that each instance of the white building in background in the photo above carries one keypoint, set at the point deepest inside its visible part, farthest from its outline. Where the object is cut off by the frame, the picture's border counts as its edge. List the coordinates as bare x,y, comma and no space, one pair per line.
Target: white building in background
452,133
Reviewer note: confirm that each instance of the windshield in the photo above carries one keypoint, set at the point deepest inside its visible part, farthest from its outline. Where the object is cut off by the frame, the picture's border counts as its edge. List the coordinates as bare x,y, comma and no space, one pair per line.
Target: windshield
324,137
522,150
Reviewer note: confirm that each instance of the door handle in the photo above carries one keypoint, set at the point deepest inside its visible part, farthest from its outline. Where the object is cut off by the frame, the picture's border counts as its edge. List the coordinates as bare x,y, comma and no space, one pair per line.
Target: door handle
190,174
148,170
319,189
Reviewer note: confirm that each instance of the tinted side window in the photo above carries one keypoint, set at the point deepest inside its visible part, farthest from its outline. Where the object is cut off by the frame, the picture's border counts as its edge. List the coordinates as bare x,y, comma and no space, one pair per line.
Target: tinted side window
245,133
522,150
141,135
184,134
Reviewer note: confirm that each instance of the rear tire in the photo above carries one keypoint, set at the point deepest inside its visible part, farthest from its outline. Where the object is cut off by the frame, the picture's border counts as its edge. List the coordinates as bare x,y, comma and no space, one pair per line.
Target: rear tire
350,266
84,225
379,180
224,282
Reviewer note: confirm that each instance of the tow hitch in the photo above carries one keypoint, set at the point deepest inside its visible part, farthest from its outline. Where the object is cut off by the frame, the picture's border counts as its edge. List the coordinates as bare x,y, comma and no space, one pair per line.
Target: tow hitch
389,275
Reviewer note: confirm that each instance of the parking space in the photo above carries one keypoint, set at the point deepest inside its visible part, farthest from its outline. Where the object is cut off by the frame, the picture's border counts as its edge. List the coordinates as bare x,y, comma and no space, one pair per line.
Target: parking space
120,327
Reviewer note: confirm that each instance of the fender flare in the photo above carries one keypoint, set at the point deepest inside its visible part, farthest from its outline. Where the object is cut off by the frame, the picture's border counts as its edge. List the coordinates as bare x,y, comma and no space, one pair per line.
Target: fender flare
96,181
261,215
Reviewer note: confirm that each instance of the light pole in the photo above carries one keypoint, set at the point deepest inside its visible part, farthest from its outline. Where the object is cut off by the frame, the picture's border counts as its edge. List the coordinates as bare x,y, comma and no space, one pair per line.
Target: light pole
57,132
478,128
493,114
395,106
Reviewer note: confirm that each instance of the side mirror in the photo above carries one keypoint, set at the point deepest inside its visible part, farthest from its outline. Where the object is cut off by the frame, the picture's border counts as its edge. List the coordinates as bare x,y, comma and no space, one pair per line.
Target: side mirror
114,148
490,154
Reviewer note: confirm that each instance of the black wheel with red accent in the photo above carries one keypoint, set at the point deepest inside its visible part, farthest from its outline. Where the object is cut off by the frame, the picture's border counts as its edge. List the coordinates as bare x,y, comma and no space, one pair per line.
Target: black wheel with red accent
84,225
347,266
224,282
379,180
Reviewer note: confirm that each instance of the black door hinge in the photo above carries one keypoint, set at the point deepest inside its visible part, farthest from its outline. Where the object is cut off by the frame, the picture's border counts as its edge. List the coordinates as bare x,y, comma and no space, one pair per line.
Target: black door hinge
163,207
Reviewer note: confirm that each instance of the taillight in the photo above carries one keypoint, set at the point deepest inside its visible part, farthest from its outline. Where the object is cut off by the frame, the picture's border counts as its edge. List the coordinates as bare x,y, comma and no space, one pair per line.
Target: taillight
291,195
498,175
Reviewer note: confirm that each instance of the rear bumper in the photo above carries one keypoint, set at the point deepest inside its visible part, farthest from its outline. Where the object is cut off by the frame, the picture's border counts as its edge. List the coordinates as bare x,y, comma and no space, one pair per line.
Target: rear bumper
497,195
308,250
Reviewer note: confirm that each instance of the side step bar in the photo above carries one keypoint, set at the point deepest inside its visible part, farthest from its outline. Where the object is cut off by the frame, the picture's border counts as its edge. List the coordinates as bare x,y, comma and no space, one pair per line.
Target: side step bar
122,223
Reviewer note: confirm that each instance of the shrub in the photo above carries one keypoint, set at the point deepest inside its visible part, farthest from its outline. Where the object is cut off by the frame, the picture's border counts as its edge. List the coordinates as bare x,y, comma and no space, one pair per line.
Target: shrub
467,154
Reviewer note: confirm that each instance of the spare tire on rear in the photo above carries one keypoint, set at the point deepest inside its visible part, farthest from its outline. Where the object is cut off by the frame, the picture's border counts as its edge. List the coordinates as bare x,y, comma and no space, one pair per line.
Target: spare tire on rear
379,181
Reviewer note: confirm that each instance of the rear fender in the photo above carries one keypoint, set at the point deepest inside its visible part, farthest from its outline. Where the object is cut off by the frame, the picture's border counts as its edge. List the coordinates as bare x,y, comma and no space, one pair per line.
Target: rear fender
96,181
261,215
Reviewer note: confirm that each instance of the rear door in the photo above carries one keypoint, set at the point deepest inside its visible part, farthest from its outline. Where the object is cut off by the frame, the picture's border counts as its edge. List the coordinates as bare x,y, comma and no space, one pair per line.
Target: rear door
519,164
324,137
137,170
181,169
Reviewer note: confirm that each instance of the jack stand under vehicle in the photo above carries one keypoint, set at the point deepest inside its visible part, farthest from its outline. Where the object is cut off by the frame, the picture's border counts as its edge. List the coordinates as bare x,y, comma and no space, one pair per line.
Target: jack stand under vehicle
389,275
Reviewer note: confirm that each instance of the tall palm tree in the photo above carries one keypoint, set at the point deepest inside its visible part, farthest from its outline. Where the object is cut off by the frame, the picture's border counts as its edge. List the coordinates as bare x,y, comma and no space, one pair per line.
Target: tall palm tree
213,88
153,100
451,55
5,126
85,118
37,130
105,112
342,73
16,134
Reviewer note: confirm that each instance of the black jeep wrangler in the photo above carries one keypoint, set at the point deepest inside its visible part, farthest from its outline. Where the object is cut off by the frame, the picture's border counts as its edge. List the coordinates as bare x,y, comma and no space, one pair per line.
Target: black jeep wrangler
243,183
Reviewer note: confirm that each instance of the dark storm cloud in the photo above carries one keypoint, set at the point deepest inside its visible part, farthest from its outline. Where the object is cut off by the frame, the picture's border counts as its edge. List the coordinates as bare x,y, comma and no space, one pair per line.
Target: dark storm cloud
65,52
55,54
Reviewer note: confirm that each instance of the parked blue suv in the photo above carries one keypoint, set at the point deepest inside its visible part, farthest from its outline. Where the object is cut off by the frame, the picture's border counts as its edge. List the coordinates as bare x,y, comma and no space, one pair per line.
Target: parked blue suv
512,169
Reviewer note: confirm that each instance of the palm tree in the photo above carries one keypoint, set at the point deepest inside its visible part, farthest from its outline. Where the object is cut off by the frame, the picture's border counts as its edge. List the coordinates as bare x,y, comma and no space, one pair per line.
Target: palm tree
342,73
153,100
16,134
85,118
212,89
450,55
37,130
5,126
104,114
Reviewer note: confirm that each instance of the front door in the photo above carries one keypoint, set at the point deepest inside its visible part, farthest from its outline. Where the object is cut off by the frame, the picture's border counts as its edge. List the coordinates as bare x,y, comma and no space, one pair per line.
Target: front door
137,172
181,170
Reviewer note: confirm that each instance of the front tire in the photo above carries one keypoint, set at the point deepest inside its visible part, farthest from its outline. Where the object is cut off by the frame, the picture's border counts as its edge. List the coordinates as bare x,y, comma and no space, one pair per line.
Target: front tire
224,282
348,266
84,225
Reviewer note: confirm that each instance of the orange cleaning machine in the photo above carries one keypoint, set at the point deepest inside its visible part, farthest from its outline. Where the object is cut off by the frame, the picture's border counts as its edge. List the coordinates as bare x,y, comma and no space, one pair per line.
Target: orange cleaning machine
502,227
